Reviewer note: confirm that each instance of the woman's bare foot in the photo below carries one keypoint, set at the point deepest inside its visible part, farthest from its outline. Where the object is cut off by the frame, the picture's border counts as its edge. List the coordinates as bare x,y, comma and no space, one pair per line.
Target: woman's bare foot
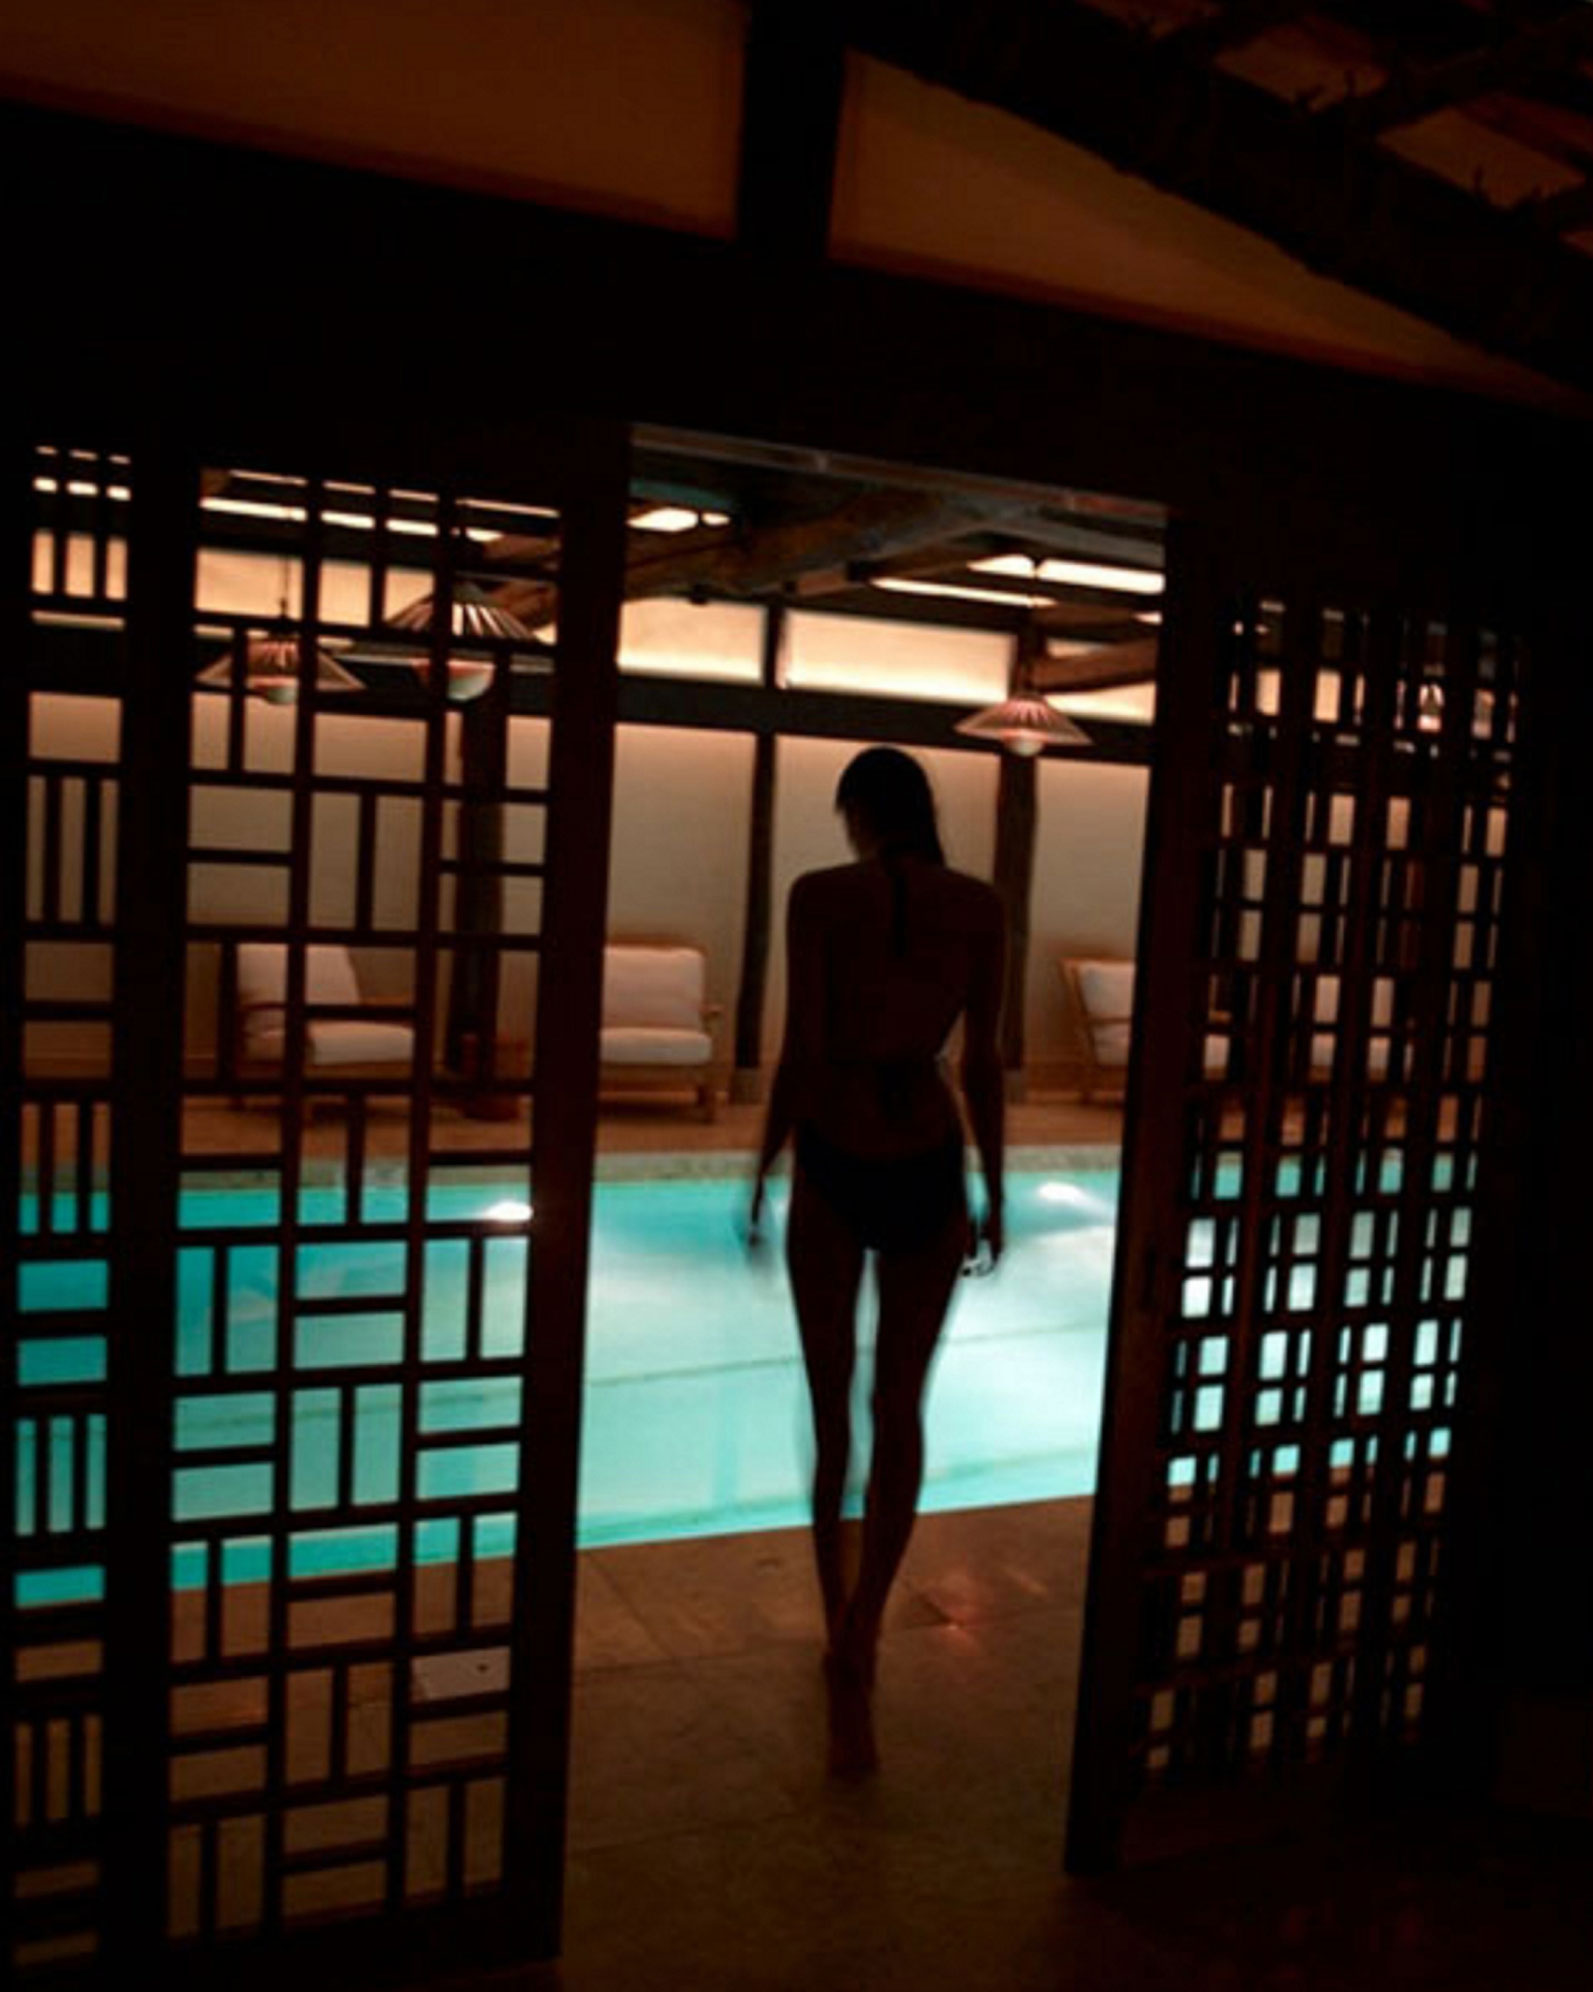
853,1752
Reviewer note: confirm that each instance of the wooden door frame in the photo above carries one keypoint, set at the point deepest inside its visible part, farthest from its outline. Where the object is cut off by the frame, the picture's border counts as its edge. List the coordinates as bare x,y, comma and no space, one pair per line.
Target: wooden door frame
1468,584
583,467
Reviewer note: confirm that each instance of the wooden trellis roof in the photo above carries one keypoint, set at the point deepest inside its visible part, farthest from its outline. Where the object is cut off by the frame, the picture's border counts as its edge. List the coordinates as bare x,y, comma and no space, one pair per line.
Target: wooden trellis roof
1436,154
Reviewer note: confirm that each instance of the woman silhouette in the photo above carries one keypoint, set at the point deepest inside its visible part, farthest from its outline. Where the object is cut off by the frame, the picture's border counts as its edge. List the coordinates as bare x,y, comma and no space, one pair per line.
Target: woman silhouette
883,956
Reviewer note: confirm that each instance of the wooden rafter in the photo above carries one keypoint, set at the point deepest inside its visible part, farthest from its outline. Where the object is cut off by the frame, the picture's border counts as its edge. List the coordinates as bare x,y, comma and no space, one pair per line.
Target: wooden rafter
1565,141
1232,27
1132,663
750,563
1563,213
1412,94
793,75
1320,188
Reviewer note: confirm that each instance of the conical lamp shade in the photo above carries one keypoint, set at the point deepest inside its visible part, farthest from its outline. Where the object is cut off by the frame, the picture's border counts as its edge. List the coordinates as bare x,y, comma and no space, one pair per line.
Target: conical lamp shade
475,617
474,614
1024,724
271,668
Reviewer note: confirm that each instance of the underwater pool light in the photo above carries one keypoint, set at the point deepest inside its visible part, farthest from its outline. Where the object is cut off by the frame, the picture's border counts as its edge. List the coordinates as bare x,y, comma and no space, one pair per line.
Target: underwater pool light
1064,1193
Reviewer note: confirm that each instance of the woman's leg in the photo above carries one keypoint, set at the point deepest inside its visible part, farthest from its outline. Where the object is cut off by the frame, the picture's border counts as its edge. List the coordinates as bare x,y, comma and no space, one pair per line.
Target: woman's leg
915,1290
825,1262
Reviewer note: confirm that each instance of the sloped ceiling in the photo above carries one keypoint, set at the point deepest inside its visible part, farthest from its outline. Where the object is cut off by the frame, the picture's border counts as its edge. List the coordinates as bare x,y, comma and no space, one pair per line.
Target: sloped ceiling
1435,155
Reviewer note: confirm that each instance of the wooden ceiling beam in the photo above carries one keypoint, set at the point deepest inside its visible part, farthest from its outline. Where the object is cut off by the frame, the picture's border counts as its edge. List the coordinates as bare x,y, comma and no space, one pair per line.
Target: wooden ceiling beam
722,561
1235,26
939,611
1034,535
1567,92
1347,210
1087,622
1043,596
1513,119
1412,94
793,76
1563,213
1102,670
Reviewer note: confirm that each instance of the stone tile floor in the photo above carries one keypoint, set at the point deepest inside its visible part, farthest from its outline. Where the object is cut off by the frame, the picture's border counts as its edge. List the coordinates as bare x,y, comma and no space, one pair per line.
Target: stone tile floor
708,1849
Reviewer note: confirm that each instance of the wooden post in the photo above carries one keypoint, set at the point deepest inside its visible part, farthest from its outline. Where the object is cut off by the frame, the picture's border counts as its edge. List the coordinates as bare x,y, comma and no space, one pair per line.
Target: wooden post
795,71
16,541
564,1141
746,1081
145,1157
478,907
1016,808
1015,816
1124,1524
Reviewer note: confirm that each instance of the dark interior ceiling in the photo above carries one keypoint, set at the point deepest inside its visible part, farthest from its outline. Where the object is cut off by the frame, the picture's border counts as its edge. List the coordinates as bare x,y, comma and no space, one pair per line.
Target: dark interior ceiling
1079,573
1435,154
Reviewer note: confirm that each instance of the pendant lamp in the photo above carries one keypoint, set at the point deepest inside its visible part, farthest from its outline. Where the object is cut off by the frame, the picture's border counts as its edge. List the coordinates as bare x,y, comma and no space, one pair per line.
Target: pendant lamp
270,666
474,617
1025,722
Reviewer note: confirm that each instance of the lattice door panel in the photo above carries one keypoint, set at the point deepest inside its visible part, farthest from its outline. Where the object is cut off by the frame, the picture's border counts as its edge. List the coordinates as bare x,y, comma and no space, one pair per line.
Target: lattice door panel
1301,1191
67,606
352,1314
341,1424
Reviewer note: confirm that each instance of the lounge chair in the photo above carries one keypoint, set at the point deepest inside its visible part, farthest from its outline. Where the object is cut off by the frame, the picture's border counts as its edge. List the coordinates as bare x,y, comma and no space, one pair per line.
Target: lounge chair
657,1029
345,1034
1101,1010
1101,1005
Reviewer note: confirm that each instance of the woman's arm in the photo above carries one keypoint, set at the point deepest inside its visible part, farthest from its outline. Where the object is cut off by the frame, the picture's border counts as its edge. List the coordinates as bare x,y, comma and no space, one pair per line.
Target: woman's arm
804,1013
983,1081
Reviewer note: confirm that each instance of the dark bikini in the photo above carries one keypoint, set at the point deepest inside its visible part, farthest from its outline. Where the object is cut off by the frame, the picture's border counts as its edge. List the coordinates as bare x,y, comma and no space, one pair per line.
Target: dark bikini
893,1203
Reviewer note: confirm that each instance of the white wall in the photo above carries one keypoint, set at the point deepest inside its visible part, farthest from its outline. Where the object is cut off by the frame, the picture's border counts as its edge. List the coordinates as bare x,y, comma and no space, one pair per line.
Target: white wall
675,638
1089,847
678,866
681,818
900,660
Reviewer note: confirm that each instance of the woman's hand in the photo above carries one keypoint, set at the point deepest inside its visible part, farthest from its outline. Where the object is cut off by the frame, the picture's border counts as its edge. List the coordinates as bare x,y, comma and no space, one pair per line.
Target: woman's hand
995,1235
987,1238
755,1211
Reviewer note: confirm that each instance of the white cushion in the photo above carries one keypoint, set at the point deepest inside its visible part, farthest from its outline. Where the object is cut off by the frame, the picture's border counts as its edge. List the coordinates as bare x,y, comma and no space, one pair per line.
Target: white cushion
328,978
263,974
656,988
351,1043
1111,1043
641,1045
1106,989
357,1043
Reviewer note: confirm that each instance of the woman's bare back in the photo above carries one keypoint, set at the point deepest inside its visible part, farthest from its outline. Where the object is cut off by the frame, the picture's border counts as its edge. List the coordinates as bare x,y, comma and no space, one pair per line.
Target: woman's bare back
886,956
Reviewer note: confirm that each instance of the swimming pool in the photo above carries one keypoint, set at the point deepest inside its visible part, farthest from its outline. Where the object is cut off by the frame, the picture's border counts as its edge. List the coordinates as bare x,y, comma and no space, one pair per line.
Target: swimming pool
694,1415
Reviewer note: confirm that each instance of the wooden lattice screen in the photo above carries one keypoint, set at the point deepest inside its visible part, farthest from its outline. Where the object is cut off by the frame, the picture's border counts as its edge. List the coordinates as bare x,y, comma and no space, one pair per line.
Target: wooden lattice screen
1320,957
290,1399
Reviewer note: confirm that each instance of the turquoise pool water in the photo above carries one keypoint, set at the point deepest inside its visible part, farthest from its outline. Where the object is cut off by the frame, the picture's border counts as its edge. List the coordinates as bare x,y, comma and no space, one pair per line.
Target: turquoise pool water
694,1418
696,1414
